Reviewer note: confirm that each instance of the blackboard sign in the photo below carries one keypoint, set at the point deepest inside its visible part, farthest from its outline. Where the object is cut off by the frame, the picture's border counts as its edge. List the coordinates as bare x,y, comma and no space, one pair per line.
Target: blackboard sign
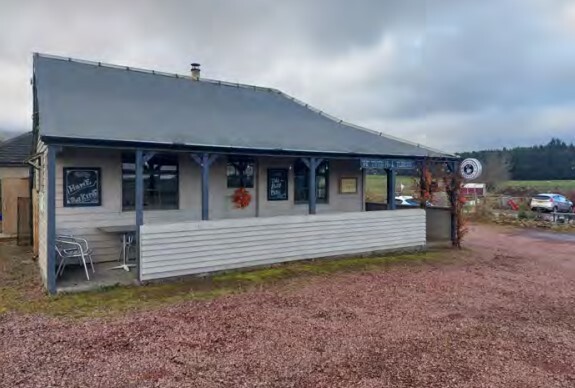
82,187
277,184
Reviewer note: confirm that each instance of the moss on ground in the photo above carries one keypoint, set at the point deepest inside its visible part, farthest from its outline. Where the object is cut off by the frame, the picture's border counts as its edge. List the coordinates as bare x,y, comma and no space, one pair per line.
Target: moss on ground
21,291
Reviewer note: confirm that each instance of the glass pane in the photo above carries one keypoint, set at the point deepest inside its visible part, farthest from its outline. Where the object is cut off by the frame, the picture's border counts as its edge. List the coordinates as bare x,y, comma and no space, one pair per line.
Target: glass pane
160,182
321,187
301,188
240,173
322,182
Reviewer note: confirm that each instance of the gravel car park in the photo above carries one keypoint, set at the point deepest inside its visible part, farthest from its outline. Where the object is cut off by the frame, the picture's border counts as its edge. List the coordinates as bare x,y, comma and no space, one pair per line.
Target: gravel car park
500,313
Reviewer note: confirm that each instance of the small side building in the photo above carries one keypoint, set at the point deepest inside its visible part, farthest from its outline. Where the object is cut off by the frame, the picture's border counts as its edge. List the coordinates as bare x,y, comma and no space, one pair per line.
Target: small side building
209,175
15,183
474,190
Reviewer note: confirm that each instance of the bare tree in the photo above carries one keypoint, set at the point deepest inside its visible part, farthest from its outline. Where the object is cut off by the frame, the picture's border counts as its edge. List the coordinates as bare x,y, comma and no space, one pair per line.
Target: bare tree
496,170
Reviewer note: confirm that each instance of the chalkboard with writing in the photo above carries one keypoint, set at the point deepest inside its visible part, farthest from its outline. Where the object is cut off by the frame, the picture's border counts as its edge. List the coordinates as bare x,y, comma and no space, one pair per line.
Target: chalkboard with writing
82,187
277,184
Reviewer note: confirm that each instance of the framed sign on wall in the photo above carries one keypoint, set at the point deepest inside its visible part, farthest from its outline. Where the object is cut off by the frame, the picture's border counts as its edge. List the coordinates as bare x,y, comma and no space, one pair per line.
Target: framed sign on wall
277,184
348,185
82,186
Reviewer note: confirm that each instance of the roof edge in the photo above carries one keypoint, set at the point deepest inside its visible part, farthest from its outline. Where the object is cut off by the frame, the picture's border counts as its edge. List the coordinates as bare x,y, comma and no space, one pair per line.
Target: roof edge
14,138
359,127
153,72
106,143
14,165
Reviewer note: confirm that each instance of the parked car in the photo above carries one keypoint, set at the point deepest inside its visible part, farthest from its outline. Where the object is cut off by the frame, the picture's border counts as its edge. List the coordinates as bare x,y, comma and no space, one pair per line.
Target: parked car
552,203
406,200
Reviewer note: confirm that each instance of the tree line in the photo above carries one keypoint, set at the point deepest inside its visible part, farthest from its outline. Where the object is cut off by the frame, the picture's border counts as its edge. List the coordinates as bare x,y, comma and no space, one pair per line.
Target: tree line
553,161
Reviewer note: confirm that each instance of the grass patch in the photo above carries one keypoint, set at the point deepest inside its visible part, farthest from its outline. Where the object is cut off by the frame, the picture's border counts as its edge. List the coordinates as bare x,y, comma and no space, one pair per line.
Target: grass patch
376,186
324,267
21,291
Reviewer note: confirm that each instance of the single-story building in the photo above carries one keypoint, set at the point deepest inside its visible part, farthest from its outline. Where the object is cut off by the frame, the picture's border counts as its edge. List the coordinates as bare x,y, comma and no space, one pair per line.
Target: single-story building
15,185
207,175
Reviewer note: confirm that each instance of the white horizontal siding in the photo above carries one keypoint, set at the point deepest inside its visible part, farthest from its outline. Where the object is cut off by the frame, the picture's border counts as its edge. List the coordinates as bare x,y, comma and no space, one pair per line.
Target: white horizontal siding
177,249
42,237
42,213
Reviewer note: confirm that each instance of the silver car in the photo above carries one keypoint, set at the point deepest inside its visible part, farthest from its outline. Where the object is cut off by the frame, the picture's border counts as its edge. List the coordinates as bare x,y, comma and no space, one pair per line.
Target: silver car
551,203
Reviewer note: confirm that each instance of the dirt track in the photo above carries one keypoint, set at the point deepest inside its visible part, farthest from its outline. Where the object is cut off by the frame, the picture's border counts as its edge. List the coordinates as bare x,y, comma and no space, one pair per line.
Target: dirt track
502,315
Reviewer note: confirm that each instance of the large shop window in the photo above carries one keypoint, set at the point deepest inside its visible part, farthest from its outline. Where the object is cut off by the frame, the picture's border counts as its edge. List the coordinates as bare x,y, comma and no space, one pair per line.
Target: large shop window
240,173
160,182
301,176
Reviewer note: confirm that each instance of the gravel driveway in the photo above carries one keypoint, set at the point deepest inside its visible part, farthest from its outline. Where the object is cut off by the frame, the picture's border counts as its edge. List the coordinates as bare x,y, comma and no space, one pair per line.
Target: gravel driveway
502,315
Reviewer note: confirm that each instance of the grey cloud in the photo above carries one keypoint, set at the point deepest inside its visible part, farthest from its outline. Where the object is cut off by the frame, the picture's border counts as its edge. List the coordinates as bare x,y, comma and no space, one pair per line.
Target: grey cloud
456,74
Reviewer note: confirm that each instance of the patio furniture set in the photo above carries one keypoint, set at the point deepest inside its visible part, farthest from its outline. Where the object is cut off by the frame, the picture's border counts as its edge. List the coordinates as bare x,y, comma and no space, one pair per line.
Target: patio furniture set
71,249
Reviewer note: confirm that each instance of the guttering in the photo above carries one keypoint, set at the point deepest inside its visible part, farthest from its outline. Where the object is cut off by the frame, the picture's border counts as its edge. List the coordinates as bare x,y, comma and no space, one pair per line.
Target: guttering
180,147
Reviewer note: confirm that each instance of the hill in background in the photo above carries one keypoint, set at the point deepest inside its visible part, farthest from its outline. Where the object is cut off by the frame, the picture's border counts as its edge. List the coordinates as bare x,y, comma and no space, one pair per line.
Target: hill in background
553,161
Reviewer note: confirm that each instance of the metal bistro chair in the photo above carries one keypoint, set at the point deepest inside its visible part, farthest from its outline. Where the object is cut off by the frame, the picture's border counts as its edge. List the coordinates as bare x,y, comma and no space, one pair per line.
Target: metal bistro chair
129,247
73,248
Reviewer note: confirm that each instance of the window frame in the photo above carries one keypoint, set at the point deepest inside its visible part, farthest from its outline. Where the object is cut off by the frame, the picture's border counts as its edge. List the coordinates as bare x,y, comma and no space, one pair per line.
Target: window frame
241,174
127,159
297,165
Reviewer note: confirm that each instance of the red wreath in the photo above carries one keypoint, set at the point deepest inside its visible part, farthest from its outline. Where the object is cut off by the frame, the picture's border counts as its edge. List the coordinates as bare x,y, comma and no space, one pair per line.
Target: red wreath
242,198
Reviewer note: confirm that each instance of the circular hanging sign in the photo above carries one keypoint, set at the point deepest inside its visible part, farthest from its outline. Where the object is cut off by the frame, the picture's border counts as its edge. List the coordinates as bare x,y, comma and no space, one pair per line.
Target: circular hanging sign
470,169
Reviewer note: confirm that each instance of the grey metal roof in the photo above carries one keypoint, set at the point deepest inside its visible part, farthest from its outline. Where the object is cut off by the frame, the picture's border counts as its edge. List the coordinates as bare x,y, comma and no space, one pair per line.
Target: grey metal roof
15,151
89,100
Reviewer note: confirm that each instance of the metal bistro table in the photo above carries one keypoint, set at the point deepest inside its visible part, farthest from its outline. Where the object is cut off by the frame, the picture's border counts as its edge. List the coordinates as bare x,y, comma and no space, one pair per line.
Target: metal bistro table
125,231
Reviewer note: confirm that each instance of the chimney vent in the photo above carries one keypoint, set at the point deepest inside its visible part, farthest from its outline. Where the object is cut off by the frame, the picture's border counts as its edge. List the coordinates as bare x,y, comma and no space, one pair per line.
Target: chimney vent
195,71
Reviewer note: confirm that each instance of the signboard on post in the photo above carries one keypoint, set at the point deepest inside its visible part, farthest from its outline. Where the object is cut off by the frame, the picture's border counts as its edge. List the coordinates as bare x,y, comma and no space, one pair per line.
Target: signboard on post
277,184
82,187
470,169
388,164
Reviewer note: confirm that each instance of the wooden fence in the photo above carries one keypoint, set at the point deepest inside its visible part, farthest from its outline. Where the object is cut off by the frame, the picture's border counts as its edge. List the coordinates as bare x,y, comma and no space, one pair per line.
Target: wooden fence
185,248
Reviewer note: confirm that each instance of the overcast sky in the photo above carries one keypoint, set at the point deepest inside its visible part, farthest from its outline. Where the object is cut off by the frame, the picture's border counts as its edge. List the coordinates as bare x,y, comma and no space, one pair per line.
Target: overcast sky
452,74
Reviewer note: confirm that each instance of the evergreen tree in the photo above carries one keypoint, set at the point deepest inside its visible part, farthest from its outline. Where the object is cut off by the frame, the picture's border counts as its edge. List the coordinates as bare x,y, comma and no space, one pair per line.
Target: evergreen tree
553,161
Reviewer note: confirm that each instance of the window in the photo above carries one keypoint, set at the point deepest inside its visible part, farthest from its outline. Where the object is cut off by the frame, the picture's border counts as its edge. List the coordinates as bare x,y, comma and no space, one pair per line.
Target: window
301,178
240,173
160,182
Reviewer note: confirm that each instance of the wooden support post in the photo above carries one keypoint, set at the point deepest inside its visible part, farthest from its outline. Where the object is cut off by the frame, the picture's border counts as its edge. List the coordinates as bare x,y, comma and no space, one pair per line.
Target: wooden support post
391,189
454,167
51,219
312,164
205,160
139,204
453,201
139,188
257,185
312,196
141,159
363,198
